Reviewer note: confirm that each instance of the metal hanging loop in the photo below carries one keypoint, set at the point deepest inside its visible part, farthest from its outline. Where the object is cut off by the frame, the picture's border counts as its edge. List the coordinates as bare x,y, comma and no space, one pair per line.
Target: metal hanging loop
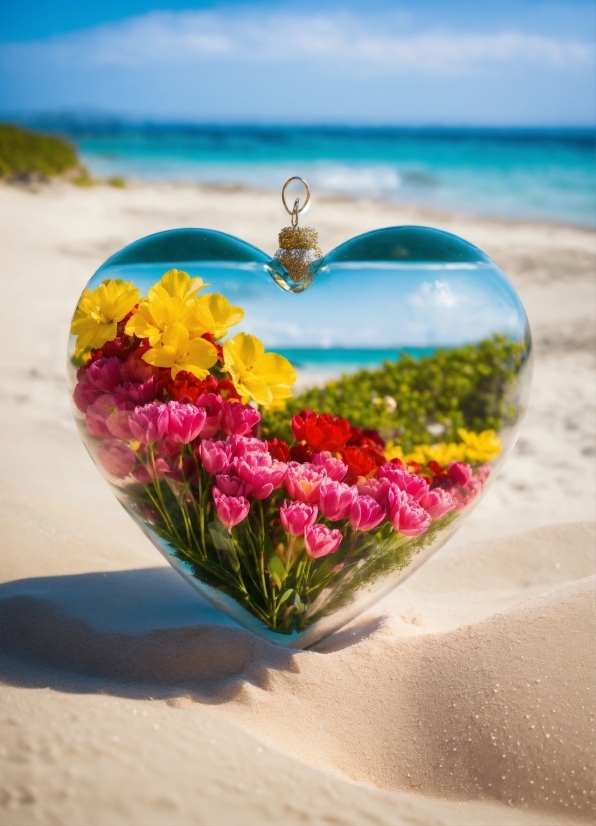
296,209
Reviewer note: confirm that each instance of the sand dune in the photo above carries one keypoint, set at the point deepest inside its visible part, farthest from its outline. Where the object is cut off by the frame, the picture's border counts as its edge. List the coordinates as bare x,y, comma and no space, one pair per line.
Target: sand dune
467,696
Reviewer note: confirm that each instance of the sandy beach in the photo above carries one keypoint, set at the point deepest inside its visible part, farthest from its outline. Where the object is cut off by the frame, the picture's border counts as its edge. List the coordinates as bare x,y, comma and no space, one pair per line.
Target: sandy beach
466,696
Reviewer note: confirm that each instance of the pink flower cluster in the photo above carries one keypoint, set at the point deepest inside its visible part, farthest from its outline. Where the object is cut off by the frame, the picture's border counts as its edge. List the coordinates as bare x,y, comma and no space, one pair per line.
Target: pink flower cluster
397,495
150,439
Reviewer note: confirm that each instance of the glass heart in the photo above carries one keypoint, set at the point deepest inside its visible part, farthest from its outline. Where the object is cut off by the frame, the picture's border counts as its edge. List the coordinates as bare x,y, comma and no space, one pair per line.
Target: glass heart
413,359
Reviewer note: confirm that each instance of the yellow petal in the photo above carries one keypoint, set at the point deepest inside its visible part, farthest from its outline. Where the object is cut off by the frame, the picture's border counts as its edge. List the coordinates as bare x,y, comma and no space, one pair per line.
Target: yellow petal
197,317
201,353
275,369
177,336
246,349
141,324
257,389
179,284
223,313
161,356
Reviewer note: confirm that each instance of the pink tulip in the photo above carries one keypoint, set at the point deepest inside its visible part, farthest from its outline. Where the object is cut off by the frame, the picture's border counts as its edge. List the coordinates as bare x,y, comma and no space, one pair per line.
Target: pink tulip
185,421
139,394
168,447
118,421
321,541
116,457
405,514
135,370
436,503
377,488
303,481
297,516
238,419
215,456
105,374
232,485
85,393
483,473
261,472
335,468
213,405
409,482
149,422
460,473
463,496
231,510
145,474
97,414
336,499
241,445
366,514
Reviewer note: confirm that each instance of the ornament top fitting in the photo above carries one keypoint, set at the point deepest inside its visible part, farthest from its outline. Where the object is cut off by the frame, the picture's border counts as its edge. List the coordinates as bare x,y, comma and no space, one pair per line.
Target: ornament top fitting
298,246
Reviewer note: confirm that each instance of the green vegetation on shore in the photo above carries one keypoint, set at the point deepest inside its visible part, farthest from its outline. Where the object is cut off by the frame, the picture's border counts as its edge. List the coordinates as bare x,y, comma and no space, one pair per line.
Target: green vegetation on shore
25,154
462,387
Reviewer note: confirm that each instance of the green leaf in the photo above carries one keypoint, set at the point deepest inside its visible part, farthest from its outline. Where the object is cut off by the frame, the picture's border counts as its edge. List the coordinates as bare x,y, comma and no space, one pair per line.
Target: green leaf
285,596
299,605
219,572
223,542
276,568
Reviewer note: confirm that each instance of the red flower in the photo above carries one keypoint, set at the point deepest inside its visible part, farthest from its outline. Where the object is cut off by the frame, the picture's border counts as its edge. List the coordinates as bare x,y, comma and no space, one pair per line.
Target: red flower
300,453
322,432
279,450
366,438
361,461
435,468
187,388
226,390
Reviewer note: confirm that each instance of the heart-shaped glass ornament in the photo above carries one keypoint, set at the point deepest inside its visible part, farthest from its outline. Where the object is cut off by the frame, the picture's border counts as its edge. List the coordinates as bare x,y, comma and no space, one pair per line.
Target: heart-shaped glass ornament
295,472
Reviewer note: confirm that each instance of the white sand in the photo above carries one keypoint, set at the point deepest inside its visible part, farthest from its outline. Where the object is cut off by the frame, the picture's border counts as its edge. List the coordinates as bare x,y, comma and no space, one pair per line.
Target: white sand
464,697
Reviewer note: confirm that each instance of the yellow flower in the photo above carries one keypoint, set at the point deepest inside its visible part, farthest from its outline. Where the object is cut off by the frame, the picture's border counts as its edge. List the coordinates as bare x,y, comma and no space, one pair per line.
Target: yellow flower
98,312
173,300
223,314
160,310
179,352
480,447
444,453
393,452
474,447
280,394
264,377
179,284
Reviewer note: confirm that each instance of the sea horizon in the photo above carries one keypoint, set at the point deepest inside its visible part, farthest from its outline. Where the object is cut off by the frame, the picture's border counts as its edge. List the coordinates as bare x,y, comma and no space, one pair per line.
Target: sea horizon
515,172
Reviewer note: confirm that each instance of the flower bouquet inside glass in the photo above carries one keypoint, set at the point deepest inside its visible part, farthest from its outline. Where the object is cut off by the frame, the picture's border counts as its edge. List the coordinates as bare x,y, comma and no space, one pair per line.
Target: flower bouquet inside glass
285,510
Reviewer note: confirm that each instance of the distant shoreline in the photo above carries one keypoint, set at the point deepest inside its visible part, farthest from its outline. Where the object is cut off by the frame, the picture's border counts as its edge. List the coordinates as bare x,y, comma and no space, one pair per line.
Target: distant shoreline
542,174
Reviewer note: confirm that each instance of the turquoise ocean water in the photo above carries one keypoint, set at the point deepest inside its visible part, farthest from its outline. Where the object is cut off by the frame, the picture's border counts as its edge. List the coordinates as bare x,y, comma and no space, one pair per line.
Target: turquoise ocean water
544,173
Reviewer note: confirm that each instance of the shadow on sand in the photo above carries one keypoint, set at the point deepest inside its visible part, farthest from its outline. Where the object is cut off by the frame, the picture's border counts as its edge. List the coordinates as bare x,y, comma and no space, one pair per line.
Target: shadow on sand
134,633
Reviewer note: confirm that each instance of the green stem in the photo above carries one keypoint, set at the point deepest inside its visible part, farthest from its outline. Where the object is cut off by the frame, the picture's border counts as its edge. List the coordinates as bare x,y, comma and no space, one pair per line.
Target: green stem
157,486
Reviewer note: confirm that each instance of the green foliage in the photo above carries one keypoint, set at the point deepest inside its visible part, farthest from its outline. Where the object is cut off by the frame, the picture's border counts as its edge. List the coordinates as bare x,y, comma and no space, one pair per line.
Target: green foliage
462,387
117,182
83,180
24,153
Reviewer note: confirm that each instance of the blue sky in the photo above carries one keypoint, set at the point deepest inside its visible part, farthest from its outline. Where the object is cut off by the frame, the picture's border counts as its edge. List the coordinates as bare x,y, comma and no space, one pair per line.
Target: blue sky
486,62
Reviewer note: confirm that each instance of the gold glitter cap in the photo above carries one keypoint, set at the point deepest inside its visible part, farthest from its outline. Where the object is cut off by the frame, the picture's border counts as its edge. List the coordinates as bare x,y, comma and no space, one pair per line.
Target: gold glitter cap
299,238
298,246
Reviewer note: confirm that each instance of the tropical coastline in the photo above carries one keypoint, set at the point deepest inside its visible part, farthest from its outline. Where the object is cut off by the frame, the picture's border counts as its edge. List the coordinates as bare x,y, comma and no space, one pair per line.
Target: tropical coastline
520,173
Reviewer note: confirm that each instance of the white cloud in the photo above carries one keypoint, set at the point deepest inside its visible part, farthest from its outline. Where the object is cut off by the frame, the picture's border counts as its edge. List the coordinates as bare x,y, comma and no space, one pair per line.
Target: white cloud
364,43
